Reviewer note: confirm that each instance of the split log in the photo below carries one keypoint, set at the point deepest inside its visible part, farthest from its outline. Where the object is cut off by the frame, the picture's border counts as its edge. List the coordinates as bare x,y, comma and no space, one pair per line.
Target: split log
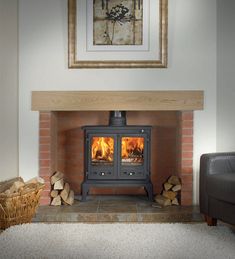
59,185
56,201
28,187
56,177
65,192
175,202
176,188
54,193
7,193
6,185
169,195
15,187
70,199
35,180
167,186
174,180
163,201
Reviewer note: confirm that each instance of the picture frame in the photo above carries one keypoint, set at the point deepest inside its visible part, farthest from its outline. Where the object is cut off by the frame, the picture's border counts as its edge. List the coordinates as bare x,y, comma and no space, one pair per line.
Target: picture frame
83,53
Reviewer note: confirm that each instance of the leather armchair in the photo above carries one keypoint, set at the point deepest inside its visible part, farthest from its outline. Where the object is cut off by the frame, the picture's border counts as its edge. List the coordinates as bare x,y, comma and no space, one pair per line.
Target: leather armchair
217,187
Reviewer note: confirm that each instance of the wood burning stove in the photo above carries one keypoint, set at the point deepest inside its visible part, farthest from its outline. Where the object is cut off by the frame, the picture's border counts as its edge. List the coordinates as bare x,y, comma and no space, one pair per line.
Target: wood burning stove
117,155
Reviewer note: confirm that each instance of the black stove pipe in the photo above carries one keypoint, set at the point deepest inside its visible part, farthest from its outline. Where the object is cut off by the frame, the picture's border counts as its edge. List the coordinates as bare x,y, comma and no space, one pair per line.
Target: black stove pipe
117,118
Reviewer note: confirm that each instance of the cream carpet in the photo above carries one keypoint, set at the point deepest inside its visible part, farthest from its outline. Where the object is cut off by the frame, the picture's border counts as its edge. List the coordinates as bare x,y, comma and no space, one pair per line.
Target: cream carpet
176,241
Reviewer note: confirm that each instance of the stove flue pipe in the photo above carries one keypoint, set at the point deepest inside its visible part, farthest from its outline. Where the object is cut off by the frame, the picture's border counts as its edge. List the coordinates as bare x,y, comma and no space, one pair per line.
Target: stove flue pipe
117,118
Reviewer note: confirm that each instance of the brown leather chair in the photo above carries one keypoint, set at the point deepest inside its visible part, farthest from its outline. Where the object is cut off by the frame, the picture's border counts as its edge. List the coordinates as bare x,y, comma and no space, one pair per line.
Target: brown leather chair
217,187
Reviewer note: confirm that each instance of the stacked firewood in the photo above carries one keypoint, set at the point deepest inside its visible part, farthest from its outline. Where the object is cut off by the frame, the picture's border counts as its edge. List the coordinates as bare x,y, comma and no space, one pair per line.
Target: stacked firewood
17,186
61,192
170,193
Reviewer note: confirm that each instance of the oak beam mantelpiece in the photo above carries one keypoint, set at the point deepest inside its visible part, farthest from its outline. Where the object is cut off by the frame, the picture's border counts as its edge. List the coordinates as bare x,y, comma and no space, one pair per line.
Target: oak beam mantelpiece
117,100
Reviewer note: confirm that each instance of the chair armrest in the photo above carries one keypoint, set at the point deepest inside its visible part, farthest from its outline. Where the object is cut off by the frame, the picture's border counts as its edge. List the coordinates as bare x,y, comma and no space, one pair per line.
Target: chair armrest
213,163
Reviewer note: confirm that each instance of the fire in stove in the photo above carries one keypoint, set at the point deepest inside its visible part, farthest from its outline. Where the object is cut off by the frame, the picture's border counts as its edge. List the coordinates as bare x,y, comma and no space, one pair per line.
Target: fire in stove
102,150
132,150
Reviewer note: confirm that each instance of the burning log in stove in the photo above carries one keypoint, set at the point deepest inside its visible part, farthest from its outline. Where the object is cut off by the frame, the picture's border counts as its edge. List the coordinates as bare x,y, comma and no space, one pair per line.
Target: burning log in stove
170,193
61,193
102,149
132,150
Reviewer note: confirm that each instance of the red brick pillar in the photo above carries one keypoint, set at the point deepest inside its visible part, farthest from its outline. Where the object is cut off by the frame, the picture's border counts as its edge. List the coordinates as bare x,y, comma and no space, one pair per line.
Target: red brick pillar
47,128
186,156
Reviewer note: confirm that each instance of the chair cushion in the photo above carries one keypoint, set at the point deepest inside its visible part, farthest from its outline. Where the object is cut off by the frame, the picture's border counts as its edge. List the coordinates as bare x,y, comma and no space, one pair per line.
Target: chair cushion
222,186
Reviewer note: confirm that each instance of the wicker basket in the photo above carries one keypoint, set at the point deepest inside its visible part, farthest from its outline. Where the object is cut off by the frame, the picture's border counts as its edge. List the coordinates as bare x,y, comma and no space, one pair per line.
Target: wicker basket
20,207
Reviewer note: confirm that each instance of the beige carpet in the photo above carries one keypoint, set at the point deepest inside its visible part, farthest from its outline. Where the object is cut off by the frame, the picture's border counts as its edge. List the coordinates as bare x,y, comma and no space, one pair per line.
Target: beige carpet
176,241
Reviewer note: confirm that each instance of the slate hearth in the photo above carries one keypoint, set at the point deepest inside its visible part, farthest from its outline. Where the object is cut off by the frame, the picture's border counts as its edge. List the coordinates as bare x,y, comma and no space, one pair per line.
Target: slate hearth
104,209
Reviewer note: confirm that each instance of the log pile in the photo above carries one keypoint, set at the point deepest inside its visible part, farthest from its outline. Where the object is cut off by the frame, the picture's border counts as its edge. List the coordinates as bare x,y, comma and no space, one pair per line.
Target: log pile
61,192
170,193
17,186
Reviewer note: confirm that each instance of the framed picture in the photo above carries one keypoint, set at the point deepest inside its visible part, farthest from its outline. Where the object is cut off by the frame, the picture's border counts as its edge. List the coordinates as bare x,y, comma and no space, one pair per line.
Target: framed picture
117,33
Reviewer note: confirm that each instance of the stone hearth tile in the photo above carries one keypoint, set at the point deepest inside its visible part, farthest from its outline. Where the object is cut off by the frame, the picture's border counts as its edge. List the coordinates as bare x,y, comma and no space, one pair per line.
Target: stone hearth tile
117,209
59,217
87,217
163,217
148,209
149,217
45,208
115,203
144,203
90,202
79,209
117,217
133,198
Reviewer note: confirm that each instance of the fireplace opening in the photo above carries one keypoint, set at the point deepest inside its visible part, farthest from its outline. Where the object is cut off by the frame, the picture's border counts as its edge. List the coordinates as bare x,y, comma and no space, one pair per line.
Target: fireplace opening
117,155
62,148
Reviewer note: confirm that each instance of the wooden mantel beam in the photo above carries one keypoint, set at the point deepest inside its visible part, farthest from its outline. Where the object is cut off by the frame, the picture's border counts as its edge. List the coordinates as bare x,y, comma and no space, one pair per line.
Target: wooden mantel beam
117,100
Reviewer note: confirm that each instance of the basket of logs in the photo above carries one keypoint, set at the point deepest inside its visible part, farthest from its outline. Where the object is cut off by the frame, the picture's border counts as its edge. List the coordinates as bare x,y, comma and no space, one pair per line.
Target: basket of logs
18,201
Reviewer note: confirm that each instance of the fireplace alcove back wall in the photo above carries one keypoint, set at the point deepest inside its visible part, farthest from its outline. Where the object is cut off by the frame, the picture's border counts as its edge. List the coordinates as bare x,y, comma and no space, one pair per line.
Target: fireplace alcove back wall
61,145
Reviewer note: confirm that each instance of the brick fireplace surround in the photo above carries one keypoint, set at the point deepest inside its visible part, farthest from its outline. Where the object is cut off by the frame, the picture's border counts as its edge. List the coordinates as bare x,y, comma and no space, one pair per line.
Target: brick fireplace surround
61,115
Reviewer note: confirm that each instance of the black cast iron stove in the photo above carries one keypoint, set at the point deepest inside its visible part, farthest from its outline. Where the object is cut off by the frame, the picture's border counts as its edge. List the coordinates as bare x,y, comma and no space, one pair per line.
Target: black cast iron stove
117,155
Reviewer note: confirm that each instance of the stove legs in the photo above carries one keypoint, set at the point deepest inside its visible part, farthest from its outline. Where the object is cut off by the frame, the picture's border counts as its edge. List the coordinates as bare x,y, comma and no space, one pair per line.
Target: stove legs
149,189
148,186
85,190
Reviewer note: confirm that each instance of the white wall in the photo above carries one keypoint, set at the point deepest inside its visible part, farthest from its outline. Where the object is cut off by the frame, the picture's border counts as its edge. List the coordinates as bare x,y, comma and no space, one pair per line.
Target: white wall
226,75
8,89
43,66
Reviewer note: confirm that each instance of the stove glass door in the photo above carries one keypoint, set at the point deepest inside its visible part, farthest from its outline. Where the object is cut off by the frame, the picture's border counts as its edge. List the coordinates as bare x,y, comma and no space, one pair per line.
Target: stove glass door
132,151
102,151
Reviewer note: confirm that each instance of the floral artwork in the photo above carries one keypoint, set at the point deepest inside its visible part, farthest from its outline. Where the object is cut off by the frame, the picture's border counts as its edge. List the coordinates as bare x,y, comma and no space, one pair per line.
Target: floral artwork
117,22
